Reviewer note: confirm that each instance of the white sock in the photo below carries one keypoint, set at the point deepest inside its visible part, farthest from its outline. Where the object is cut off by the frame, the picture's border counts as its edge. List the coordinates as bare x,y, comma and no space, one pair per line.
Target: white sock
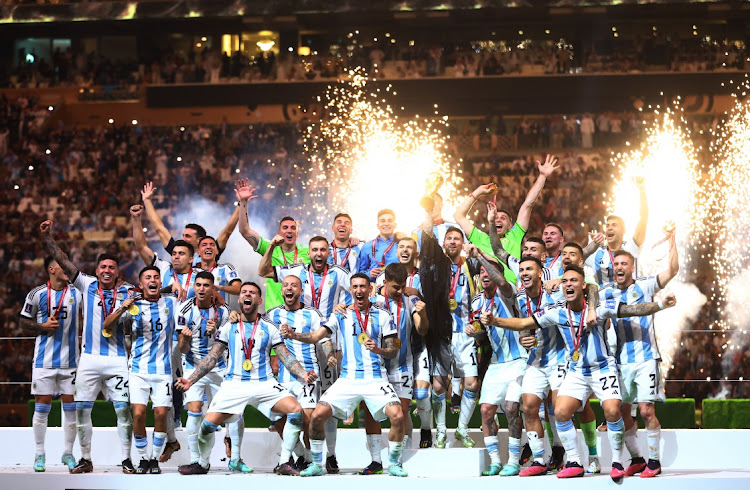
615,433
456,386
569,439
158,440
490,442
653,436
407,434
141,447
316,447
374,446
438,408
424,407
468,403
236,433
85,427
192,427
537,446
39,423
69,426
124,427
331,426
292,429
395,448
206,439
631,441
514,450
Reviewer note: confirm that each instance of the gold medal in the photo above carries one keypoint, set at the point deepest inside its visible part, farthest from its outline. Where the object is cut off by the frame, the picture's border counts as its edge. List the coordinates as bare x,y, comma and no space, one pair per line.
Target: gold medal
397,343
134,310
247,365
362,338
477,325
452,304
576,355
106,333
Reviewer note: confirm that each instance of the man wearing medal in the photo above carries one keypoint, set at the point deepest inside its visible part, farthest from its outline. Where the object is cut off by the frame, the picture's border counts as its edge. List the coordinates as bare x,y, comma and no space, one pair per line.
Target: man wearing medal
344,250
248,380
304,319
502,382
411,318
198,320
553,237
591,367
381,251
367,335
51,312
463,351
151,318
103,365
226,282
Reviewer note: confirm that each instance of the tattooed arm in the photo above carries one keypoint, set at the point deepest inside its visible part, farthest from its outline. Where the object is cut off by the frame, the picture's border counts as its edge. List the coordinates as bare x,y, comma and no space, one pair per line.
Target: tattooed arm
39,328
645,309
306,338
328,352
389,349
495,271
204,367
54,250
293,365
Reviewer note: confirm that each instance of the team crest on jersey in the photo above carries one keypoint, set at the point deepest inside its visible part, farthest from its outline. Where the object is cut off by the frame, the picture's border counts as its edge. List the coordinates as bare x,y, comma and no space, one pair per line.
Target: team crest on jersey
71,301
330,282
120,296
166,311
634,295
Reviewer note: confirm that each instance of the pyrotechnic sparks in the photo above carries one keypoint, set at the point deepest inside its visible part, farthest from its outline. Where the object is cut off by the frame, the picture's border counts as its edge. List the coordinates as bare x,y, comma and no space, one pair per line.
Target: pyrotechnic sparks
668,162
364,158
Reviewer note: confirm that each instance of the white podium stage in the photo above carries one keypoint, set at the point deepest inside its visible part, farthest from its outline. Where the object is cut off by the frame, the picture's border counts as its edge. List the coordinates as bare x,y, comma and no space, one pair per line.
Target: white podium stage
690,459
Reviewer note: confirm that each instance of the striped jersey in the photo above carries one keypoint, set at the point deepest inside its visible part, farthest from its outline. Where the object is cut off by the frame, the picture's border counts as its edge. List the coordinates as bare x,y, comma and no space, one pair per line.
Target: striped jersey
554,265
59,349
267,336
153,328
402,312
302,320
514,265
357,361
551,348
344,257
601,261
168,275
463,293
224,275
412,280
505,343
191,316
335,287
94,313
636,337
594,351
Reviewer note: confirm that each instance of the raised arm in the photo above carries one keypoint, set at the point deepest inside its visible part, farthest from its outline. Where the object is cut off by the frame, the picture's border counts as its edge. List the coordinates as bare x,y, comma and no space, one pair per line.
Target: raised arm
224,235
462,211
139,238
495,242
245,193
54,250
307,337
639,235
545,170
674,264
111,321
147,193
495,271
293,365
421,323
265,269
596,240
517,324
204,367
645,309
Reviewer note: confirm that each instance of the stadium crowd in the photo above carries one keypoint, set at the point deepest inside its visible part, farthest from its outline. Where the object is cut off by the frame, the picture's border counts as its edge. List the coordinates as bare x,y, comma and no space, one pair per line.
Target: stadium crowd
66,174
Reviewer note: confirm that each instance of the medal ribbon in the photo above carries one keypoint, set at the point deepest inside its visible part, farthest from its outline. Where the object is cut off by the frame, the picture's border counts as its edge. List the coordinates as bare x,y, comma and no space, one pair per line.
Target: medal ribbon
316,295
454,281
553,261
410,279
388,249
59,303
216,311
177,280
283,256
247,345
529,312
346,257
359,319
104,307
398,309
611,263
577,337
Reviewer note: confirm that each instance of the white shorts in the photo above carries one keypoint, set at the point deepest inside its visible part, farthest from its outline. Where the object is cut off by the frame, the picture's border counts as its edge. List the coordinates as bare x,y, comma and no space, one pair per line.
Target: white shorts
463,357
422,367
605,385
208,385
503,383
157,387
403,384
306,394
540,381
53,381
345,394
641,382
102,373
234,396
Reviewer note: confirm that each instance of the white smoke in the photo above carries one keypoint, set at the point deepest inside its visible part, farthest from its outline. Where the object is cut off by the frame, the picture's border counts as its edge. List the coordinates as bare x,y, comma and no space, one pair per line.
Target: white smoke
670,323
737,310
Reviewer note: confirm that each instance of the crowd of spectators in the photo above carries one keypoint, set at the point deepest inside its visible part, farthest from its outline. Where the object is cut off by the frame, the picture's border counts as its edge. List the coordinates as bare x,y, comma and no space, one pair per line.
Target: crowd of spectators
86,179
388,61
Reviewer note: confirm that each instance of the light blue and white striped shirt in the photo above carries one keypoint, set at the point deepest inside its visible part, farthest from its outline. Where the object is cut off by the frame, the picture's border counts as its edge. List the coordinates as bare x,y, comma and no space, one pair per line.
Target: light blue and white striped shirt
302,320
335,288
153,328
267,336
505,344
196,319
